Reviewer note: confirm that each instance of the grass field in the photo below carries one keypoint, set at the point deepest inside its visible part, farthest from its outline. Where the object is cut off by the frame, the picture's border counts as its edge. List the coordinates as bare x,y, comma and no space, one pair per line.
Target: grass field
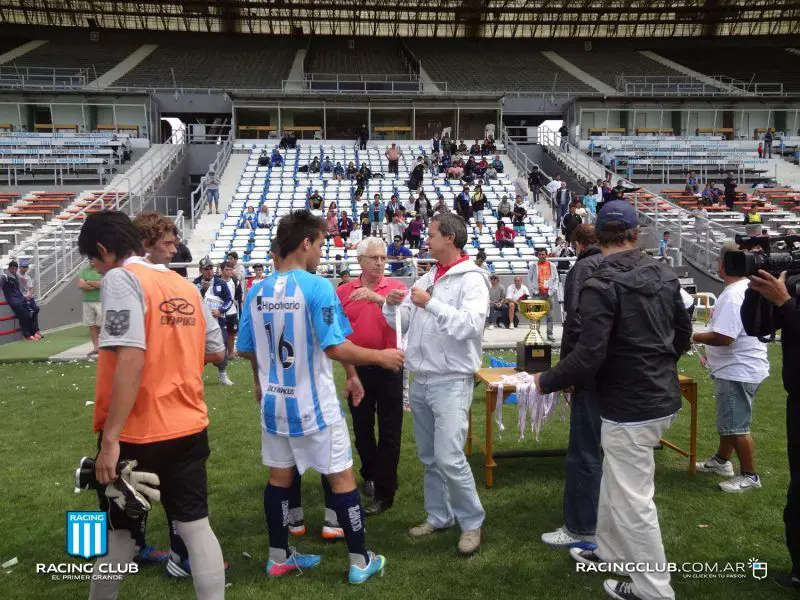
50,345
46,427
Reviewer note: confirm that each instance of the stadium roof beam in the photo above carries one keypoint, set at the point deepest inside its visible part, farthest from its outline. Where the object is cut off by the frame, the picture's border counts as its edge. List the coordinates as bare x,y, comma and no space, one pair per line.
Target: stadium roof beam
424,18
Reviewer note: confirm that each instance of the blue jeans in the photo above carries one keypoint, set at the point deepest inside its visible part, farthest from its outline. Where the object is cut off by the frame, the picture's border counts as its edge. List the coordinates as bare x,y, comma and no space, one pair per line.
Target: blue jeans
213,198
583,466
440,411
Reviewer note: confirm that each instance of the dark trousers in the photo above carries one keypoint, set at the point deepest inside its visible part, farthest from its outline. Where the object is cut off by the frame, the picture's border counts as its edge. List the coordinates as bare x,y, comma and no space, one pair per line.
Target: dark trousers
535,192
791,514
362,143
27,314
383,394
729,200
583,466
393,166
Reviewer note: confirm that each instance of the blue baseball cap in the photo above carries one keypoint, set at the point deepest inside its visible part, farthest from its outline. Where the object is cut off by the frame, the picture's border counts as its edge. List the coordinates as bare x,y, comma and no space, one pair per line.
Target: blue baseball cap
617,211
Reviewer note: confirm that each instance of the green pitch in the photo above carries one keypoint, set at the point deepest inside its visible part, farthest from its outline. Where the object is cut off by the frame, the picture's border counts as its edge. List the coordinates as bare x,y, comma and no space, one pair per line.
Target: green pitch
46,427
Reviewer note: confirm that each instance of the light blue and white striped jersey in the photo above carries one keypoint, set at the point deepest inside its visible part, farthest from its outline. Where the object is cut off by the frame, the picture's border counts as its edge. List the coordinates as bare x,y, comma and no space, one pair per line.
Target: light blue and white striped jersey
287,321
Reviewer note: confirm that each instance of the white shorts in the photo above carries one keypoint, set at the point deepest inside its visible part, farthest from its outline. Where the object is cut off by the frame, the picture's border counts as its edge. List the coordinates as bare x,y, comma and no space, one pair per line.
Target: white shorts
327,451
92,314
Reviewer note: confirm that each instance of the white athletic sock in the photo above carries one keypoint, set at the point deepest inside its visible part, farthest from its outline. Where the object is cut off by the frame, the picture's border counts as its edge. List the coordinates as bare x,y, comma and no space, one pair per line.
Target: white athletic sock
121,550
296,514
330,517
205,557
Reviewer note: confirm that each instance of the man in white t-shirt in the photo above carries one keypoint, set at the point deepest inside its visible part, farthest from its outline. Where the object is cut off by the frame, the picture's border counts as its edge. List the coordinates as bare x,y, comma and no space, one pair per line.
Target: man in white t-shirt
738,366
515,292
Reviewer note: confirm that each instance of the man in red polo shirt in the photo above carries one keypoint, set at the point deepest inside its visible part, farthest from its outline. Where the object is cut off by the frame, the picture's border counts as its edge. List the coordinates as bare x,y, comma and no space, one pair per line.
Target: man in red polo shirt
363,300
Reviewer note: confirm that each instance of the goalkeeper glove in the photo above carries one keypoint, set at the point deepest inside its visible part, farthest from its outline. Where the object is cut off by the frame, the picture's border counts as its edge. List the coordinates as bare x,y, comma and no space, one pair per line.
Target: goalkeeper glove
133,491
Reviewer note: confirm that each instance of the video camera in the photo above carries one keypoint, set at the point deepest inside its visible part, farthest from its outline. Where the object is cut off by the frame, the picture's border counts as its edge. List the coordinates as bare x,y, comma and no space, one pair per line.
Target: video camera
777,254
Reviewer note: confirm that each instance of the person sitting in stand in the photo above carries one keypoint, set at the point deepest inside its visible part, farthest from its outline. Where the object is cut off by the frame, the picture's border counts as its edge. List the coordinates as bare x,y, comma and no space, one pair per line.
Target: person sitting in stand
314,166
707,196
515,292
333,221
498,164
753,224
327,165
462,147
277,158
351,171
504,207
498,309
489,147
470,169
475,149
692,183
249,220
315,201
490,174
345,225
519,214
263,158
480,169
456,170
264,217
436,167
504,236
338,171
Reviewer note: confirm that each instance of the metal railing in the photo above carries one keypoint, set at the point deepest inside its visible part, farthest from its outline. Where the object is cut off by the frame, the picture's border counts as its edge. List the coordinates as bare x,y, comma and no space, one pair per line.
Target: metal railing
14,77
524,163
53,251
700,245
342,84
198,199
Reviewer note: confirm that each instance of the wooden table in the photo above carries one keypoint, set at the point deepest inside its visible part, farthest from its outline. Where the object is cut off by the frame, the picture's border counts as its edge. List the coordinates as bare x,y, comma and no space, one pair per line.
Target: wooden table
491,376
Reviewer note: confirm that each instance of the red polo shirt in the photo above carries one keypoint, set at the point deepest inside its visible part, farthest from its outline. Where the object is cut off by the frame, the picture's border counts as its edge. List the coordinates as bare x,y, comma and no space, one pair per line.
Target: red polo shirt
370,329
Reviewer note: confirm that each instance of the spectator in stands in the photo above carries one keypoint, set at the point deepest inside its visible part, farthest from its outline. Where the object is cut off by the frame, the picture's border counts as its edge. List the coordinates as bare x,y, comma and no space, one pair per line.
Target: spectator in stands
463,204
393,207
621,189
498,309
27,288
480,260
503,207
441,205
417,175
377,214
338,172
398,251
351,171
497,164
554,185
760,150
738,364
414,231
520,214
392,155
90,282
608,159
456,170
216,294
768,143
504,235
542,281
236,286
258,275
491,174
232,258
562,250
730,184
521,186
436,167
263,158
692,183
249,220
469,169
436,144
563,198
365,221
564,131
314,165
515,292
333,222
363,136
264,217
461,148
479,207
488,147
285,142
535,179
481,168
707,196
212,191
18,303
475,149
423,207
700,215
570,222
345,225
339,265
590,200
327,165
753,223
315,201
182,255
423,266
397,226
277,158
344,278
665,250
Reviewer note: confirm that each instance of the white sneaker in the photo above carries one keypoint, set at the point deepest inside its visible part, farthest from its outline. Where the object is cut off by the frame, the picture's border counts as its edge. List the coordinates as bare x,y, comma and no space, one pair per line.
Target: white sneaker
512,326
224,379
740,484
712,465
491,327
561,539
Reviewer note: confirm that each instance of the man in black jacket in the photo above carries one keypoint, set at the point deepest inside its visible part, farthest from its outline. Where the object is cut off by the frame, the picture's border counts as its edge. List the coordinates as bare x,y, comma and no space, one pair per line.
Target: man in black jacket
634,328
767,307
570,222
182,255
583,467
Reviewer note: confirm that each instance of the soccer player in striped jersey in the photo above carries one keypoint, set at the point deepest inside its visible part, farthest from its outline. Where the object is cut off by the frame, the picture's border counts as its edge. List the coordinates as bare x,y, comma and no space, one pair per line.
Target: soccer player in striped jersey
292,328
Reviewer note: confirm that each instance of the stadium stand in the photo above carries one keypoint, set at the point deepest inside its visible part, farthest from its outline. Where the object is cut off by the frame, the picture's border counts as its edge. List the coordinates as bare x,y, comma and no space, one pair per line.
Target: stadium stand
75,55
609,65
254,64
510,65
367,56
749,64
286,189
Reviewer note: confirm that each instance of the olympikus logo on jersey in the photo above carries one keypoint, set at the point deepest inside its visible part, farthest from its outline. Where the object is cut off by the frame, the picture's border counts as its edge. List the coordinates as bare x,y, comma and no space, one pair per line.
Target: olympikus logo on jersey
280,389
270,305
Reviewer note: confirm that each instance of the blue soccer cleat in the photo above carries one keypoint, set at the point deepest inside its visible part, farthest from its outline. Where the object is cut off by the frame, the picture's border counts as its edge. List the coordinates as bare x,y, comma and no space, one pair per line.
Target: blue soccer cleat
148,555
377,564
294,562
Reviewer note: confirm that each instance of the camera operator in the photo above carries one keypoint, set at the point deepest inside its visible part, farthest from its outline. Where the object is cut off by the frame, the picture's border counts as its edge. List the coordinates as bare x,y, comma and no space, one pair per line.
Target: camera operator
767,307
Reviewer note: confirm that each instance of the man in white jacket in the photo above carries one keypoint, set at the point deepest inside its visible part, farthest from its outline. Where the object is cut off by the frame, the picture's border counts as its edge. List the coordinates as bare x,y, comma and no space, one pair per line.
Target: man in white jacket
543,283
443,318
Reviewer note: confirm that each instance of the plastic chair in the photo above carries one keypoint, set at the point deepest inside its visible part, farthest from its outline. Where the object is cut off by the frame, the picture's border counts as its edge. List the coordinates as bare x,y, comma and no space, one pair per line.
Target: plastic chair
704,301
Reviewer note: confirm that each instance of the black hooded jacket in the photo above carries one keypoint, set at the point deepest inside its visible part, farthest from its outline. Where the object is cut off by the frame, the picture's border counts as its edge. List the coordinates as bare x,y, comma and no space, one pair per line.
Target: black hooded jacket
634,328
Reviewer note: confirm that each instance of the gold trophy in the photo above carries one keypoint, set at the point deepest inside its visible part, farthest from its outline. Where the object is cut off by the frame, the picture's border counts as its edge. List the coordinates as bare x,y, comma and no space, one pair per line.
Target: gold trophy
534,353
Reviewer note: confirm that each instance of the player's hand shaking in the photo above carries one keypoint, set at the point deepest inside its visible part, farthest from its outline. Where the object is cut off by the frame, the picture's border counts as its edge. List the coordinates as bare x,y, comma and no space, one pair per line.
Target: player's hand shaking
392,359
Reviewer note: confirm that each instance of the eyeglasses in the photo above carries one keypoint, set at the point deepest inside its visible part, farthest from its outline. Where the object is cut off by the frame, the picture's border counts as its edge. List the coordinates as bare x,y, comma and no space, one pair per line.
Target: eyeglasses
375,259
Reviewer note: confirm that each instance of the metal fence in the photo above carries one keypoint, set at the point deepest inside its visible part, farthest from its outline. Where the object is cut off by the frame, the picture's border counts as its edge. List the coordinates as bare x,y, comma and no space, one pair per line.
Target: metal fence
198,196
